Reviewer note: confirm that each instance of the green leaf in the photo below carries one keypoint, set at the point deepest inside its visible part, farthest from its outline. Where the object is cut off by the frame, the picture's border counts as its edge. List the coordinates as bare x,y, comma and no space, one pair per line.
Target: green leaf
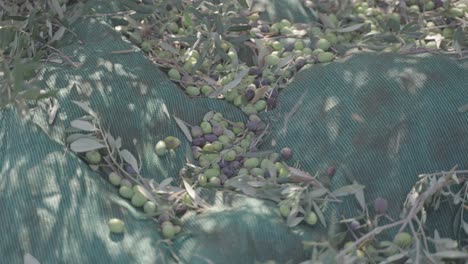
184,128
451,254
85,144
57,8
318,193
348,190
230,85
85,107
319,213
130,159
187,19
73,137
83,125
194,195
350,28
58,35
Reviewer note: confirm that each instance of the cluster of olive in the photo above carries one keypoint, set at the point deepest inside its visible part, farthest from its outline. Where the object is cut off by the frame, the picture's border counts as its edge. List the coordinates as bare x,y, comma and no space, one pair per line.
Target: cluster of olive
224,149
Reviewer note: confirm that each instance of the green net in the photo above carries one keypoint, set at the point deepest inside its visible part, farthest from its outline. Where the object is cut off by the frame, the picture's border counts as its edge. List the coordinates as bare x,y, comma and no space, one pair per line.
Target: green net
380,119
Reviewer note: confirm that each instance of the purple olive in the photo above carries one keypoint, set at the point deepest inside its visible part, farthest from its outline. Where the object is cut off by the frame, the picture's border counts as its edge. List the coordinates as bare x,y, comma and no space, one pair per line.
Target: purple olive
182,172
286,153
235,164
196,151
331,171
211,138
257,82
239,158
300,62
380,205
223,178
354,225
196,131
266,174
164,217
130,169
289,46
438,3
223,163
265,82
199,142
218,130
228,171
264,28
180,209
252,125
249,94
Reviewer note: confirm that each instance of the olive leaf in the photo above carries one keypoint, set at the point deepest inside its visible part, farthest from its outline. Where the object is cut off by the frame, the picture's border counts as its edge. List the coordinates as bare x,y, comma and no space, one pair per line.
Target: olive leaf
194,195
73,137
85,107
85,144
349,28
230,85
257,184
184,128
130,159
319,213
114,143
348,190
394,258
30,259
208,116
165,182
83,125
318,193
451,254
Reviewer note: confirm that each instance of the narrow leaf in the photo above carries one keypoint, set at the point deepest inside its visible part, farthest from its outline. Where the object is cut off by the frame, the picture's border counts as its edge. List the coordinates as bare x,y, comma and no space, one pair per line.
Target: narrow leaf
319,213
292,222
85,144
58,35
184,128
130,159
463,108
256,184
451,254
318,193
29,259
350,28
73,137
85,107
165,182
348,190
57,8
230,85
83,125
168,47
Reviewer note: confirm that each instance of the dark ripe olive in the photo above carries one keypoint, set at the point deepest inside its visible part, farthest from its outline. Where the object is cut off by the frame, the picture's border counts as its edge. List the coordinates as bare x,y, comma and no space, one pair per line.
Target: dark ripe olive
164,217
223,178
235,164
252,125
223,163
331,171
265,82
286,153
228,171
218,130
211,138
289,47
130,169
354,225
180,209
267,175
249,94
300,62
199,142
255,71
380,205
264,28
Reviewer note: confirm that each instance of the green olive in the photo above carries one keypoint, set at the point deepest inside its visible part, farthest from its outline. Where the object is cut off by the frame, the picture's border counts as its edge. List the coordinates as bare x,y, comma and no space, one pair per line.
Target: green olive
403,240
168,230
115,179
160,148
93,156
311,218
174,74
138,200
116,226
149,207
